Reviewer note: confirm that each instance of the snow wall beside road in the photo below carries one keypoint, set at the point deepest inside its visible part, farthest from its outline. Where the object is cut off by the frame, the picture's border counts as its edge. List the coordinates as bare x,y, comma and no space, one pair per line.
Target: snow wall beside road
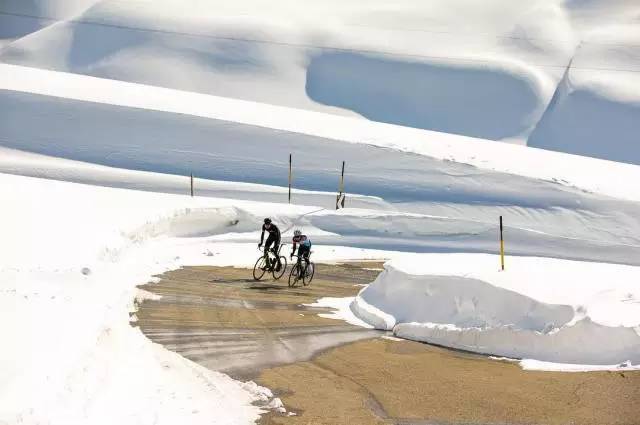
550,310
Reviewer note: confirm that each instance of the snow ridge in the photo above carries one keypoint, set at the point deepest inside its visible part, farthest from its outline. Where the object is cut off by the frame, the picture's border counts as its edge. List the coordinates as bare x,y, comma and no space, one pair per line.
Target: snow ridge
517,314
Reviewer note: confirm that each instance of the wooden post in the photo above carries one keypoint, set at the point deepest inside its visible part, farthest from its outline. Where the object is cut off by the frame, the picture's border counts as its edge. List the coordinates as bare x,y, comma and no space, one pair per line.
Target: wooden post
340,189
289,178
501,246
191,184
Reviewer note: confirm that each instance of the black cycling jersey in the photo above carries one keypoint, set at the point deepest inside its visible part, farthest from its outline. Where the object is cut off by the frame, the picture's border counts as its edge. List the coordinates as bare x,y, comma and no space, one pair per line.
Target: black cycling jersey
274,233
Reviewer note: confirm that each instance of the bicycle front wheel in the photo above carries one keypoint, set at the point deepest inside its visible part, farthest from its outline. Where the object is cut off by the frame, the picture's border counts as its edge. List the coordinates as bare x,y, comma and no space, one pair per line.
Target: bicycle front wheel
277,274
293,275
309,271
259,268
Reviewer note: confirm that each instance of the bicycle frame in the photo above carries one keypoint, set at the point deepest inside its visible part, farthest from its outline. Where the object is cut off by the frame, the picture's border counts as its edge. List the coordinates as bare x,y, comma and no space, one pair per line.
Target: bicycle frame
299,259
274,255
308,257
302,270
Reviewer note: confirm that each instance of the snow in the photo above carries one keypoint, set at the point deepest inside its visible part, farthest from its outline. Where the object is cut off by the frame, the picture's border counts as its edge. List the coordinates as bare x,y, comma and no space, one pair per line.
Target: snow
490,72
529,364
430,93
586,173
545,309
342,310
148,128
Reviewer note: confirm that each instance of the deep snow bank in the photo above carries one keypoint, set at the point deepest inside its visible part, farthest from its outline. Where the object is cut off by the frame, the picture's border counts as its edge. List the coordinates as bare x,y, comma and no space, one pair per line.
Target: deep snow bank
429,94
550,310
72,256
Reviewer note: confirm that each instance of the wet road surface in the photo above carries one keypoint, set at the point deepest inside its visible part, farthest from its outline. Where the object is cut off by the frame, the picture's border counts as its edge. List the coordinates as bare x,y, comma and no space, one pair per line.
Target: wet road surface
224,320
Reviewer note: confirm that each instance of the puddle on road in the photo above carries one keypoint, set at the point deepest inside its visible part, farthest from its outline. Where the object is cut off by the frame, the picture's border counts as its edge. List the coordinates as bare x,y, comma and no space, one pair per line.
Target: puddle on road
243,353
225,321
234,303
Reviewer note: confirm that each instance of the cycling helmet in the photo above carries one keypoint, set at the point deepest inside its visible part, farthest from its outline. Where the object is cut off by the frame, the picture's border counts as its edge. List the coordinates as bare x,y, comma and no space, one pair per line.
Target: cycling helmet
267,221
297,232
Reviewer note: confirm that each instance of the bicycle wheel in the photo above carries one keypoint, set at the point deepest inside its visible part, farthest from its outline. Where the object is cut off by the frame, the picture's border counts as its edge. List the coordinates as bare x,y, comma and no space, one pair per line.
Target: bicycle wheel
309,271
259,268
283,266
293,275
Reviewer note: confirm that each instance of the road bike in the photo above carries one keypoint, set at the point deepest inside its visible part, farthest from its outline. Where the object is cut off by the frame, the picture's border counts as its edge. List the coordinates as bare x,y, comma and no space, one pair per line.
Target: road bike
302,273
268,262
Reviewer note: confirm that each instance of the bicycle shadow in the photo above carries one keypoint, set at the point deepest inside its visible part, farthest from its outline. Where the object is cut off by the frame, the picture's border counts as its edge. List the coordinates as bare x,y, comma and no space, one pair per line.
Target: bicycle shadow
256,286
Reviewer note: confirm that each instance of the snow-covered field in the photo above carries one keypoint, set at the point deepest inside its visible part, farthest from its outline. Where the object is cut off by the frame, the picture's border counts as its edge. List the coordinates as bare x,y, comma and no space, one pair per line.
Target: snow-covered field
106,107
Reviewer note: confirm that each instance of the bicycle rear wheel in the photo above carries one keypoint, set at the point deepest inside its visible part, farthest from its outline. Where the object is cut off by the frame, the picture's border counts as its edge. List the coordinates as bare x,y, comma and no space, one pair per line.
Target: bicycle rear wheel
293,275
309,271
259,268
277,274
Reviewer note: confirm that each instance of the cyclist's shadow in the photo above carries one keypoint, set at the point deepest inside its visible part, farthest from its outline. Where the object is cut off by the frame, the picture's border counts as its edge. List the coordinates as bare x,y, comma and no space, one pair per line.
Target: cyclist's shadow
249,284
259,286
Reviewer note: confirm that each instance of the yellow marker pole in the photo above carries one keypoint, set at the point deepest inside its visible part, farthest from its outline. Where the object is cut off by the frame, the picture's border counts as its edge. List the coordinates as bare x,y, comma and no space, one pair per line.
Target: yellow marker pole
501,245
289,178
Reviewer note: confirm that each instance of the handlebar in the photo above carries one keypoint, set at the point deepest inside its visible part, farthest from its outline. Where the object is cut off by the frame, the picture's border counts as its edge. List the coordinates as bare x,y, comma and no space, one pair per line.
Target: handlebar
259,248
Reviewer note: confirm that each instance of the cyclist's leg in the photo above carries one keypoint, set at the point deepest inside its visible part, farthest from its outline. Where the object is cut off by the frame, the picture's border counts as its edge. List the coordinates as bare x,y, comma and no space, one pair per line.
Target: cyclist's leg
276,246
299,262
267,245
304,253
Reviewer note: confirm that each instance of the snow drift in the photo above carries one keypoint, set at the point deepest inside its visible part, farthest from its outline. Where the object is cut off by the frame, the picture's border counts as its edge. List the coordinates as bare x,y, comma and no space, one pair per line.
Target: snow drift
428,94
548,310
587,117
488,72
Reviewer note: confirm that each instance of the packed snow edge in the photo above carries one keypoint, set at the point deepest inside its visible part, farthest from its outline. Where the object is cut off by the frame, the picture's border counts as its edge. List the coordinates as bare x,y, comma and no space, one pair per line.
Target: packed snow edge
573,325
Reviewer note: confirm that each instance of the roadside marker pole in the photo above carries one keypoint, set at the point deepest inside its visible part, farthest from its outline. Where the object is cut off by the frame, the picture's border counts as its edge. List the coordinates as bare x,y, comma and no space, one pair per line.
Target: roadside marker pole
501,245
289,178
191,184
341,195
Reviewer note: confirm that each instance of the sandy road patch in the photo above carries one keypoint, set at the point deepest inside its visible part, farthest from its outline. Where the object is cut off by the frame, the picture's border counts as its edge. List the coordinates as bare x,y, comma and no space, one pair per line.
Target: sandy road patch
406,382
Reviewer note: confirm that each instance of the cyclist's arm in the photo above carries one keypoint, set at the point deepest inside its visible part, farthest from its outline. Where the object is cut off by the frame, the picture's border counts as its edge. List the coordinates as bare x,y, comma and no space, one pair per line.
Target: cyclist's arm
262,235
293,248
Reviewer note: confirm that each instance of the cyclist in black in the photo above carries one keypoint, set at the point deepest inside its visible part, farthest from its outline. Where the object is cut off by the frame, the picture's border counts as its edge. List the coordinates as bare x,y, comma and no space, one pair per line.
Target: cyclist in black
272,239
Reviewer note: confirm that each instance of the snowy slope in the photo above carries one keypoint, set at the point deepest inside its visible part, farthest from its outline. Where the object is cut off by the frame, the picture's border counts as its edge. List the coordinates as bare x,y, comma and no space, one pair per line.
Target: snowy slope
28,86
149,128
496,71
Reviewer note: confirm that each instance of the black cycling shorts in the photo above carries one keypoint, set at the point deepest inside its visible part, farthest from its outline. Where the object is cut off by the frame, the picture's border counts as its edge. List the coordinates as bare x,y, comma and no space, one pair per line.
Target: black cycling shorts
304,251
269,242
